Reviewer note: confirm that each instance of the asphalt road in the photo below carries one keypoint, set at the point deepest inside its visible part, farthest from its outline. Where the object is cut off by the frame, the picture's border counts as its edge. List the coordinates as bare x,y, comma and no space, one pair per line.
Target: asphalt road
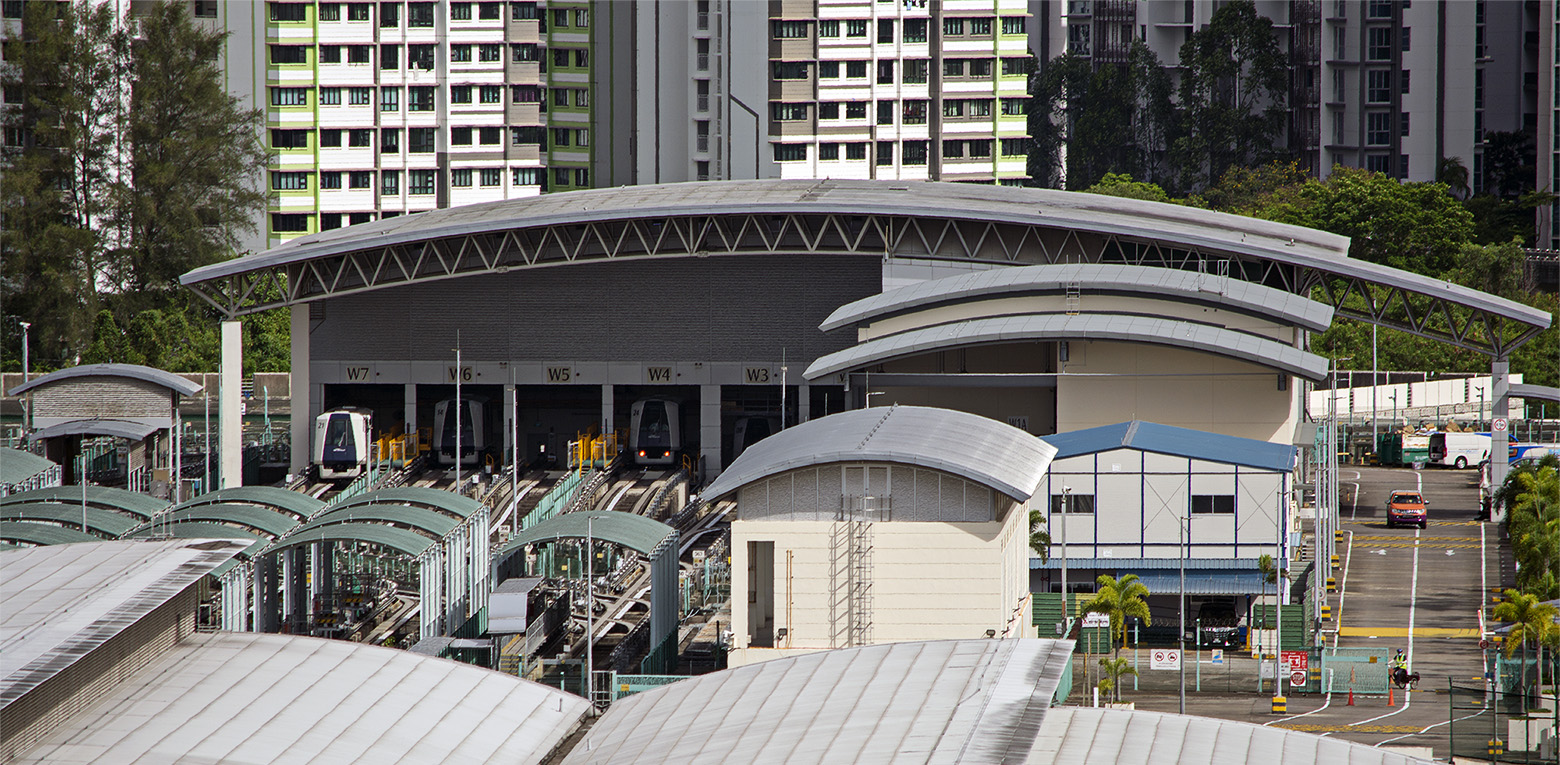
1418,590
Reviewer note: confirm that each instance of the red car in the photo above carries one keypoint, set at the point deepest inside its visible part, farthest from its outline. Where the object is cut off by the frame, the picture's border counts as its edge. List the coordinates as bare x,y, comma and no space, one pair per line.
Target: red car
1406,508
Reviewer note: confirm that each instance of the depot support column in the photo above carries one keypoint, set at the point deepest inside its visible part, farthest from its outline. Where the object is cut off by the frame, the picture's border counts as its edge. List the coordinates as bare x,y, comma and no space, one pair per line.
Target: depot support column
302,414
709,429
1500,406
229,418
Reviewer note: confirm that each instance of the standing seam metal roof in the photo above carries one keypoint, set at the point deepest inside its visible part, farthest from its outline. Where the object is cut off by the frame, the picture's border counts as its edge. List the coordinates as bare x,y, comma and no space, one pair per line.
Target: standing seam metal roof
635,532
407,542
970,446
261,520
42,533
106,522
296,503
139,505
430,521
17,466
167,380
418,496
1107,327
1143,281
1179,442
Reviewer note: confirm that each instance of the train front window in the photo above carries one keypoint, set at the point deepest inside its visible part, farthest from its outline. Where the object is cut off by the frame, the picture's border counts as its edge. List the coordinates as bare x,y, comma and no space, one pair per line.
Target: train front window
338,435
653,424
465,427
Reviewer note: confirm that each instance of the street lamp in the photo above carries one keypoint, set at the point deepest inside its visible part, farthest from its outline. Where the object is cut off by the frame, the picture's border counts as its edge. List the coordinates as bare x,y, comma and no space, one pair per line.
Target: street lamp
1062,531
26,376
1480,417
590,611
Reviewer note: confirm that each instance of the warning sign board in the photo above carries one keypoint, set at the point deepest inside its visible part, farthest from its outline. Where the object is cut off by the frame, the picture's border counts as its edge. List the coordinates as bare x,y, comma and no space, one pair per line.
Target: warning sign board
1498,425
1296,664
1164,658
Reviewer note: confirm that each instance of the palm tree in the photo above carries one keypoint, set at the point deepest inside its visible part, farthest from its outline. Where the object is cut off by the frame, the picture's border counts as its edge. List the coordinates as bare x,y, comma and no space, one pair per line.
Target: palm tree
1534,525
1531,622
1114,670
1039,540
1120,599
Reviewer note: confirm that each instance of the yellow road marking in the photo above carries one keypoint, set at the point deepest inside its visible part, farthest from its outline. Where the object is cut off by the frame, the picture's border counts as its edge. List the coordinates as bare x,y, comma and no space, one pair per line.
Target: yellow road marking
1424,632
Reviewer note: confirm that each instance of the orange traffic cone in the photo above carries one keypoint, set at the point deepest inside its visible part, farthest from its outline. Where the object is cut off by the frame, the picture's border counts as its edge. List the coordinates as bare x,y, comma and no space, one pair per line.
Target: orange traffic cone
1351,697
1390,702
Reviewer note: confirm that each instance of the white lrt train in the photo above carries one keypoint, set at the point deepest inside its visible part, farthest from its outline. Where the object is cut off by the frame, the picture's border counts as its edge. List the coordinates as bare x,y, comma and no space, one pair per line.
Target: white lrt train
341,442
473,430
655,433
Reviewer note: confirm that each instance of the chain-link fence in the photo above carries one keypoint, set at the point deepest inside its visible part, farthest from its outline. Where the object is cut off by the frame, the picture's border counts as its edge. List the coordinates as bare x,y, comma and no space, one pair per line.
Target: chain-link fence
1502,726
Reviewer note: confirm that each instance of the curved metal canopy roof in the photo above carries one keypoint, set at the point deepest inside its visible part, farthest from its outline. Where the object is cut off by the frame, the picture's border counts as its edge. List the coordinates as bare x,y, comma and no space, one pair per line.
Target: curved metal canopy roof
41,534
417,496
1092,278
17,466
135,431
1537,392
421,519
949,221
976,448
407,542
261,521
167,380
292,502
108,523
635,532
139,505
1045,327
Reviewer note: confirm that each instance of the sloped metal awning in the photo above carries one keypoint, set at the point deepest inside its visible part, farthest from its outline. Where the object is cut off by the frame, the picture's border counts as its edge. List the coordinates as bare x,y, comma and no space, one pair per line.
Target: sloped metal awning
106,523
417,496
152,375
261,521
22,532
138,505
135,431
17,466
635,532
296,503
1204,582
407,542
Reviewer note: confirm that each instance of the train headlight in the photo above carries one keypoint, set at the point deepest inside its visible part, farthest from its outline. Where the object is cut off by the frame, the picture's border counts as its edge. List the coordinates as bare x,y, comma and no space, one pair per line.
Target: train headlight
641,452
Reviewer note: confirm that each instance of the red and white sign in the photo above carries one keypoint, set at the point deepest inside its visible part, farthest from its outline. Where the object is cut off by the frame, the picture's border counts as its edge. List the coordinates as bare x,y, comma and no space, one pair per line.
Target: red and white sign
1296,679
1164,658
1498,425
1296,663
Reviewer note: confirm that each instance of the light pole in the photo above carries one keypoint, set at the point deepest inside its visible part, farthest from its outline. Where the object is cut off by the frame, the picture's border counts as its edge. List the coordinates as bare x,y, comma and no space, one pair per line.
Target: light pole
1184,526
1479,418
456,413
1393,396
26,376
1375,384
1061,528
590,612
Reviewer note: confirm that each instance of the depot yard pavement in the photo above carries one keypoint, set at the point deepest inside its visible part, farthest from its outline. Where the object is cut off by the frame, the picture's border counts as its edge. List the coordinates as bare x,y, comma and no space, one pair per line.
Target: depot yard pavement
1402,588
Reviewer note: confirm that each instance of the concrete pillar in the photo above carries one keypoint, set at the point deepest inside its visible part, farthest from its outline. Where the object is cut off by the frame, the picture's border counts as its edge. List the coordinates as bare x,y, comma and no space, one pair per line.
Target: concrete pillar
1500,406
229,416
509,422
709,429
606,409
803,404
411,407
302,425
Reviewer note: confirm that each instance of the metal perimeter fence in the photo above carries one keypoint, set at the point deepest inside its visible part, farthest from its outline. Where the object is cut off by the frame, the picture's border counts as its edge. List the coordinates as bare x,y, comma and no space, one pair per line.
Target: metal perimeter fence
1503,726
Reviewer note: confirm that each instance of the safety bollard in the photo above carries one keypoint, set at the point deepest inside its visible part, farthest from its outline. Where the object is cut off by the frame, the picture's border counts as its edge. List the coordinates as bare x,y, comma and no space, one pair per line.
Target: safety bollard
1316,677
1326,612
1391,701
1332,584
1280,705
1496,746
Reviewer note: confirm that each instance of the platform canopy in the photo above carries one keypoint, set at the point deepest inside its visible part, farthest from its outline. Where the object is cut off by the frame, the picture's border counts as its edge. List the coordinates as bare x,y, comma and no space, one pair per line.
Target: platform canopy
22,533
294,503
168,380
107,497
263,522
17,466
107,524
636,532
447,502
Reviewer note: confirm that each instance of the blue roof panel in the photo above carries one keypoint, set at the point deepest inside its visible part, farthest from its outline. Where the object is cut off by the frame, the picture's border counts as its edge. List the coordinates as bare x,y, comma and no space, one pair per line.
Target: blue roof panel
1179,442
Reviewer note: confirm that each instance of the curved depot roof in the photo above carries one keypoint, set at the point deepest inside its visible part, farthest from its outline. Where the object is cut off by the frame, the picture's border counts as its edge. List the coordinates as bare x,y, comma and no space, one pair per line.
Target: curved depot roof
977,448
932,702
407,542
256,699
261,521
1151,330
1539,392
417,496
421,519
108,523
636,532
295,503
41,534
1095,278
139,505
134,431
17,466
1179,442
167,380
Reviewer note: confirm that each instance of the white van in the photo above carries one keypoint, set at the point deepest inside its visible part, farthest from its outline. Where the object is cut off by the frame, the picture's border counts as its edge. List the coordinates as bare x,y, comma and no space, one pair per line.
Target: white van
1459,450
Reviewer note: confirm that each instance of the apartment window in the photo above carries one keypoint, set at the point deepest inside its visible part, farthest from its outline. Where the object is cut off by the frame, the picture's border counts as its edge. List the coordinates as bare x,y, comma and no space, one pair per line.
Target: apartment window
981,148
582,176
330,139
953,107
330,54
360,96
389,56
359,11
526,52
855,151
288,11
856,110
914,152
855,27
980,27
492,94
358,54
1403,82
361,179
207,9
419,15
885,72
389,140
885,112
582,17
916,70
561,136
1072,504
1378,128
289,139
420,57
581,97
419,140
460,136
1015,66
1078,39
1213,504
1403,124
460,94
389,14
581,58
701,56
953,67
828,151
560,57
523,11
289,181
784,112
289,96
360,217
560,97
702,170
560,18
419,98
1379,9
953,27
330,96
560,176
885,153
360,138
390,182
915,113
525,94
330,180
1405,38
529,135
885,29
1402,165
419,181
289,222
1012,25
1015,106
490,136
980,67
979,107
788,30
489,11
829,110
1378,86
1015,147
1381,163
389,99
1378,43
460,12
828,28
790,152
855,70
524,176
490,52
915,30
790,70
582,137
952,149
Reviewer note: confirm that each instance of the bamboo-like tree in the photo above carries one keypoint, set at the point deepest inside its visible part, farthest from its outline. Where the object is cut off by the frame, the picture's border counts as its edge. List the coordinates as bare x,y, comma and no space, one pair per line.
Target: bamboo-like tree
1120,599
1532,621
1114,669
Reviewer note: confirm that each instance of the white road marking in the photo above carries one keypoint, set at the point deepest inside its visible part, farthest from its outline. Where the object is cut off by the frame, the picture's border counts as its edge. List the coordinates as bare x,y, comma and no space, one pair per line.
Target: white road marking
1413,594
1324,705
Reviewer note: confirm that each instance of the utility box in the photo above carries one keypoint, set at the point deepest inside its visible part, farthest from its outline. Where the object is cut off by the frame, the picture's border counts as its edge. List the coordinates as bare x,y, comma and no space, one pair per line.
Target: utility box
509,608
